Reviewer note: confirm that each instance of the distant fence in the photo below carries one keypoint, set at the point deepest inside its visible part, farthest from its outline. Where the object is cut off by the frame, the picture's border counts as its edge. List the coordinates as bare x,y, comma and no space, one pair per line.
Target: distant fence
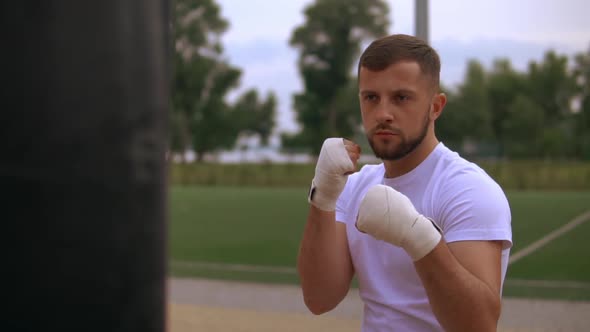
512,175
271,175
540,175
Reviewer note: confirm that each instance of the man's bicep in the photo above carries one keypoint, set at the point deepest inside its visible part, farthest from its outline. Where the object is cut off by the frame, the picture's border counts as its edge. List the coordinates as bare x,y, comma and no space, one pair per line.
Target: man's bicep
482,259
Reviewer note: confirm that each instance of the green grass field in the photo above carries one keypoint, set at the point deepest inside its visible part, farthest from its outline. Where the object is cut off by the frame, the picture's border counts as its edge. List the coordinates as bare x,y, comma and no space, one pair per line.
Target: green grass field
263,226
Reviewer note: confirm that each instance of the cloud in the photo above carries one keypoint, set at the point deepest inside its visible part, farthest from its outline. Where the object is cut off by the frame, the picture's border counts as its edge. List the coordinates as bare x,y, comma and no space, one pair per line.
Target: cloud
268,65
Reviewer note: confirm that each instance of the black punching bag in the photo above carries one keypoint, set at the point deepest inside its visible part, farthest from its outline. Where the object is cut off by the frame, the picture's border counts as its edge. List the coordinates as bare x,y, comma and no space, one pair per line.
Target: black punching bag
83,171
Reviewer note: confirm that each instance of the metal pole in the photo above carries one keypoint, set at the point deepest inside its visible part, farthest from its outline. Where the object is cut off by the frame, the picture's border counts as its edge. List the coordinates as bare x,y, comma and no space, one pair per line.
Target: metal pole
83,166
421,20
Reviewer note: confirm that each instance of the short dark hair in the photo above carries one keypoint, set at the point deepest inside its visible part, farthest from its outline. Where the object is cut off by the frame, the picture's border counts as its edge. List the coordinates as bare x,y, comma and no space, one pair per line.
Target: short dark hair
388,50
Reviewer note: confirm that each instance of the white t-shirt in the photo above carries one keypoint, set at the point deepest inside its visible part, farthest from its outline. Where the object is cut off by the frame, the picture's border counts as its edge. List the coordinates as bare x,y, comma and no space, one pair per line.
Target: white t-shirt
463,201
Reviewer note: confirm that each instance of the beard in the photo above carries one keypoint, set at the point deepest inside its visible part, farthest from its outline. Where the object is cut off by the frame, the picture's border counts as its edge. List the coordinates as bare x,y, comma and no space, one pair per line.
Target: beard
391,151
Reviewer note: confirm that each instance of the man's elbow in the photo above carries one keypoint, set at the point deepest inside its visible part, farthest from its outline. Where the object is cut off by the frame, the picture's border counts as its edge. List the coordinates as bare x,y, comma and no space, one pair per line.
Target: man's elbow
321,302
496,309
491,317
318,307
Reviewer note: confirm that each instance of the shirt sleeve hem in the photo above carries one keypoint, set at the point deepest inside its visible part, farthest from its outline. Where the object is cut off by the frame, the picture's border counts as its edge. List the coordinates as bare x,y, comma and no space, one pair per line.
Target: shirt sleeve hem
481,235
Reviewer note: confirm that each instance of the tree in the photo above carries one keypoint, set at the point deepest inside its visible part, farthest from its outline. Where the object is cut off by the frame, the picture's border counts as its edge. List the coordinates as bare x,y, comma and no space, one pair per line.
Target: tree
467,116
474,103
522,128
504,85
553,87
201,79
201,119
448,125
581,116
254,116
329,42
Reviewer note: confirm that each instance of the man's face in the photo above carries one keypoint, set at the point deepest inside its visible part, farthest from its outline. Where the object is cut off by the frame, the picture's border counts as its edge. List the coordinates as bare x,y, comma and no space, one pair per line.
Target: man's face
395,107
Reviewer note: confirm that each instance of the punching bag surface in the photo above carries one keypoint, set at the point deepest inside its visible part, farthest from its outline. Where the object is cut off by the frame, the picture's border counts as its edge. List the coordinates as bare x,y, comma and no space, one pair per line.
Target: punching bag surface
83,170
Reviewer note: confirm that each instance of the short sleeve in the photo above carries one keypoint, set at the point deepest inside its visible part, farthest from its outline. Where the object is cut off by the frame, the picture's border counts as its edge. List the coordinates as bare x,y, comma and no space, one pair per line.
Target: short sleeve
474,207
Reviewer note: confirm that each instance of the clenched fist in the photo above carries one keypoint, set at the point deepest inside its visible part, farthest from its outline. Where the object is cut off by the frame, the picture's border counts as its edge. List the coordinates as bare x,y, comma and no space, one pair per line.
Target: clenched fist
389,215
337,160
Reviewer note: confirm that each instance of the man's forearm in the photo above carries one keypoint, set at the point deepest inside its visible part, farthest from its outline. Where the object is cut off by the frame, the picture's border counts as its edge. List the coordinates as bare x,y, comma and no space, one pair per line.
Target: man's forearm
324,264
460,301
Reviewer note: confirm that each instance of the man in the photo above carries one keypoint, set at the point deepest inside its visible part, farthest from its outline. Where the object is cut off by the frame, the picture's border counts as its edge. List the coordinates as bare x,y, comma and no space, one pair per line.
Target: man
426,232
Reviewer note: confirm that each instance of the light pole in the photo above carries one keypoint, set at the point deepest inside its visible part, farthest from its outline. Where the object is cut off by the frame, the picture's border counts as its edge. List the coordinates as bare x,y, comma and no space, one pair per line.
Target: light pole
421,19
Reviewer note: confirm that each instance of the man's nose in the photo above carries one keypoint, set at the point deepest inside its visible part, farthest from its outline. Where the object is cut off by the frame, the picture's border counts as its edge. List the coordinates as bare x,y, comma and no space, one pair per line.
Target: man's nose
384,113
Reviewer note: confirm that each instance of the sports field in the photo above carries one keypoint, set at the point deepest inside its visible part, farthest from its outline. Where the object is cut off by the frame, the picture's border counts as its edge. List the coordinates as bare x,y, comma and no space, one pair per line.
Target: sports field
252,234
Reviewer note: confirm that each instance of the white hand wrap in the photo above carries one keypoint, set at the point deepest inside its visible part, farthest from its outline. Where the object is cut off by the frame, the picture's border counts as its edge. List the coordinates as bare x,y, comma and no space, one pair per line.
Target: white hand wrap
389,215
329,179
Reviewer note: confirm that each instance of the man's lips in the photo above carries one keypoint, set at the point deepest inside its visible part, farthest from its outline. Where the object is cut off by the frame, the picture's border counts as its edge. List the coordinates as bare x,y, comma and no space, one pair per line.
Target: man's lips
385,133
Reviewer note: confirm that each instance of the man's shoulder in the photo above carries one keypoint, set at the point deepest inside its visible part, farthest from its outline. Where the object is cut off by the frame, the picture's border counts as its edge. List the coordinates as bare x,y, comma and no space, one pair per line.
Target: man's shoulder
454,168
464,191
457,177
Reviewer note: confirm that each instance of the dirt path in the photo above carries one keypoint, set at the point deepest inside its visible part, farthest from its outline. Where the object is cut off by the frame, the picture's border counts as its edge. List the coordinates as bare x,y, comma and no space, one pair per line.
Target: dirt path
208,305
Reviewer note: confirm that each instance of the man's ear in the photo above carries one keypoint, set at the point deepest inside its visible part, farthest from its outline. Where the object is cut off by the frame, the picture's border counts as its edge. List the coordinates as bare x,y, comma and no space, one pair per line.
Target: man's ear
439,100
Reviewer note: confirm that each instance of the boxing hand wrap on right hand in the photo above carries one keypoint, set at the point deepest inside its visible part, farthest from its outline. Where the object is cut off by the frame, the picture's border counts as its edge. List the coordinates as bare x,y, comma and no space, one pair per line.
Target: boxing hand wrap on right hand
330,178
389,215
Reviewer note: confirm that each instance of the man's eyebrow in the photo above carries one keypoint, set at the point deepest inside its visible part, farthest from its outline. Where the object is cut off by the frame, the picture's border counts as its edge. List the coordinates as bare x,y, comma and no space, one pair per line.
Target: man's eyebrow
402,91
391,92
367,92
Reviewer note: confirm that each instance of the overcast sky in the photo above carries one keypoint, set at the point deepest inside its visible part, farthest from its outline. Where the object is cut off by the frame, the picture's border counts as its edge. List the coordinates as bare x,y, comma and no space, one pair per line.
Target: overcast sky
521,30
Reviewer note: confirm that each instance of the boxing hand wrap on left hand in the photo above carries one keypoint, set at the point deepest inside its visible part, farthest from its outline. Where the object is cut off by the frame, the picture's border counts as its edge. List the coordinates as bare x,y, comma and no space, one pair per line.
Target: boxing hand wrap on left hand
389,215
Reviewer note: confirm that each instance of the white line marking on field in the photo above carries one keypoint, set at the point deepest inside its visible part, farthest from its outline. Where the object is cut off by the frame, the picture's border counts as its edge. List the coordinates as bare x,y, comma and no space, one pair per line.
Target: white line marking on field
548,283
513,258
559,284
549,237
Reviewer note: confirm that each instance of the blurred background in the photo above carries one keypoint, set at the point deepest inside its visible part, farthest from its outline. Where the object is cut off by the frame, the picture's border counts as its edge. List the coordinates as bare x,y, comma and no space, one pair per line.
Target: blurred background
258,85
158,149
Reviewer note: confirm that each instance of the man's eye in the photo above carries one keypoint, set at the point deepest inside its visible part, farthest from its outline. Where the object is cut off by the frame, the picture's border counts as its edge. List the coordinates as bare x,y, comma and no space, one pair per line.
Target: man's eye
370,97
402,97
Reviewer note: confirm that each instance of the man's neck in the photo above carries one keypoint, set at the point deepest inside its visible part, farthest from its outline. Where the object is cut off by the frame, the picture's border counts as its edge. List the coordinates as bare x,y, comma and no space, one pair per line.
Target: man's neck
395,168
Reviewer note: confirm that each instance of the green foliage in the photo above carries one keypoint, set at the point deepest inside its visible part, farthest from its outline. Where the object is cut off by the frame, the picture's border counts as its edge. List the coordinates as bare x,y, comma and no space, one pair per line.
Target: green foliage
474,103
504,84
522,128
552,86
194,23
448,125
329,43
526,115
467,115
540,113
254,116
201,119
581,119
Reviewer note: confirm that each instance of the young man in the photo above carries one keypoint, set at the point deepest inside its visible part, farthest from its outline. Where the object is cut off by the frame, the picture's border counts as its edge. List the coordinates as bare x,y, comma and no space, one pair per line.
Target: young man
426,232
